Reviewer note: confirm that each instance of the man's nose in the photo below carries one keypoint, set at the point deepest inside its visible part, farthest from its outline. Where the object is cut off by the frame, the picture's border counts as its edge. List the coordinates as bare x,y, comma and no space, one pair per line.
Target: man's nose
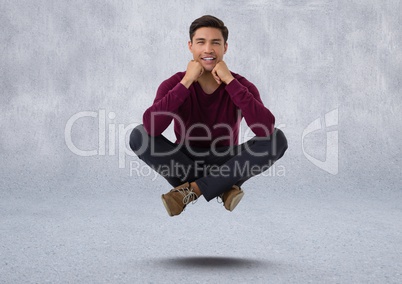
209,48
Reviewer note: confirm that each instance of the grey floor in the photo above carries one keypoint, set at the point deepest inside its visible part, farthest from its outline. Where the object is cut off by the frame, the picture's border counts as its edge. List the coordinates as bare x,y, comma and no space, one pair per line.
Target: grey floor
114,229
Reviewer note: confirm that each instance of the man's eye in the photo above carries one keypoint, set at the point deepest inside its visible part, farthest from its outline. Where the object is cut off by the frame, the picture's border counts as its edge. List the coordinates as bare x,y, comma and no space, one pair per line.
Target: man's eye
218,43
200,42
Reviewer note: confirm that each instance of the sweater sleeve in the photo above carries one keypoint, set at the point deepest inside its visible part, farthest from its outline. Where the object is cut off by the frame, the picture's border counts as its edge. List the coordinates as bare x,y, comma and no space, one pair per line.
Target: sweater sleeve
170,95
259,118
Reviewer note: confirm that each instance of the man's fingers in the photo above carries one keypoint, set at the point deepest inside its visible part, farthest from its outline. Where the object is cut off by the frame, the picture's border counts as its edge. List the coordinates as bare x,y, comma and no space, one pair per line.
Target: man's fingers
216,76
214,73
217,79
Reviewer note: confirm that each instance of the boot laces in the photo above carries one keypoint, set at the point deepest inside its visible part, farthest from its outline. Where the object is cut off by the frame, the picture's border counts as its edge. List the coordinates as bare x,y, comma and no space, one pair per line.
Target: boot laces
188,195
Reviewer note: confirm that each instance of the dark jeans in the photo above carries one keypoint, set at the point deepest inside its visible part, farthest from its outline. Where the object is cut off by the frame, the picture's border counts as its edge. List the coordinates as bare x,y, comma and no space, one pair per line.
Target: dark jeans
214,170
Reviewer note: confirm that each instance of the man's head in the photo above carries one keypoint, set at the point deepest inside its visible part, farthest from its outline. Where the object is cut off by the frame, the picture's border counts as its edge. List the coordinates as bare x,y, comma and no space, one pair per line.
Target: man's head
208,41
208,21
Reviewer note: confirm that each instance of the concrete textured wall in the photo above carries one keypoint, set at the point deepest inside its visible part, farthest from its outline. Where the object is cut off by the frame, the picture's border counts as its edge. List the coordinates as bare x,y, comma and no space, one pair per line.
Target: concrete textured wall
308,58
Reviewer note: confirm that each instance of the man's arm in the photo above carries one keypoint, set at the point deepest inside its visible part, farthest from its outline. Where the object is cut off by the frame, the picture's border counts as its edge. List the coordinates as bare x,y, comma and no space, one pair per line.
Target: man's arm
257,116
170,96
247,98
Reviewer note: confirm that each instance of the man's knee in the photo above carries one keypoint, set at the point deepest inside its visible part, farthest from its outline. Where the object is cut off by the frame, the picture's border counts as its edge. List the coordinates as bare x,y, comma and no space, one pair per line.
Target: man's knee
138,138
276,143
281,142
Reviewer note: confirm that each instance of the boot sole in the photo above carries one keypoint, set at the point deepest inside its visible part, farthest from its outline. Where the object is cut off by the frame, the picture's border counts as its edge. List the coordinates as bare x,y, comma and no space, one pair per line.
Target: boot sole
166,206
235,201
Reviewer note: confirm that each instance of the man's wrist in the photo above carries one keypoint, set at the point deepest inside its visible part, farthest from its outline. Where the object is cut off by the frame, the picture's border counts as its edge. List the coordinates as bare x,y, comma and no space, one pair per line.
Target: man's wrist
230,79
186,83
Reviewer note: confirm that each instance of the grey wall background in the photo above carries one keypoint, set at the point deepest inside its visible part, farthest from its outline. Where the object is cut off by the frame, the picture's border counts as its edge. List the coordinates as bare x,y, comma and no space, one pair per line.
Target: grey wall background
71,218
59,58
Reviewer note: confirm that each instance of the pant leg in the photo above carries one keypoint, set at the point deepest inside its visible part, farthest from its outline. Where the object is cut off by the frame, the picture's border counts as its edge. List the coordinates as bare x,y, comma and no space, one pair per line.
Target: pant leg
163,156
255,156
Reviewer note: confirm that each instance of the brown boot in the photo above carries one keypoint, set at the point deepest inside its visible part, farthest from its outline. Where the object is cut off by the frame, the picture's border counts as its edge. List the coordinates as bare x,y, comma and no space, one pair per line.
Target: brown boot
176,200
232,197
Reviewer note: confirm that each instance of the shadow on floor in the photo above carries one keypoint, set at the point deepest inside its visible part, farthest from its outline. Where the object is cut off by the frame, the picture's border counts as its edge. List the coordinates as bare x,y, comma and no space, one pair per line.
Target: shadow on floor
213,262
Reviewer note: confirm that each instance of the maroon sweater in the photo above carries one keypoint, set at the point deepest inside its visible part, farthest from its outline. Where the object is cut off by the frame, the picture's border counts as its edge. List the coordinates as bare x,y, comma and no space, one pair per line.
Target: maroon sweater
208,120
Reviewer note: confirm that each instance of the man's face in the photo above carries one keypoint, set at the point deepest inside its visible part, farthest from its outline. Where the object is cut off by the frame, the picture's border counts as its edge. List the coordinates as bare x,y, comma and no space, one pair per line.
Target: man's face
208,47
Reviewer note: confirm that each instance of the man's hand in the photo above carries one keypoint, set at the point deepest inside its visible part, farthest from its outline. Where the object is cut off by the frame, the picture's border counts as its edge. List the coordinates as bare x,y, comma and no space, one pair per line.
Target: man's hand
221,73
193,72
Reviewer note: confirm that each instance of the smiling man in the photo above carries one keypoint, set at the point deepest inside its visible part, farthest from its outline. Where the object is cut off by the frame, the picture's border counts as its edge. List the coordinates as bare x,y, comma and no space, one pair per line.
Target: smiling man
207,103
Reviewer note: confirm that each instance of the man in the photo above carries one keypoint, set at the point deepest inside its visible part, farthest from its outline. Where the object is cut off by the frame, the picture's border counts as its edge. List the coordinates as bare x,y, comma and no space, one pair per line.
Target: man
207,103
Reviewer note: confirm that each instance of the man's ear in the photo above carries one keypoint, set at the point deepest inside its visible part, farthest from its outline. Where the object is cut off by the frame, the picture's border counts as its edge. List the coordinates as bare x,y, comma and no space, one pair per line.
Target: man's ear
190,45
226,47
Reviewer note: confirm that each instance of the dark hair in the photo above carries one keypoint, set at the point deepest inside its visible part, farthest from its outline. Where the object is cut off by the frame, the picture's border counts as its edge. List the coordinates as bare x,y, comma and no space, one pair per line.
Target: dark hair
211,22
